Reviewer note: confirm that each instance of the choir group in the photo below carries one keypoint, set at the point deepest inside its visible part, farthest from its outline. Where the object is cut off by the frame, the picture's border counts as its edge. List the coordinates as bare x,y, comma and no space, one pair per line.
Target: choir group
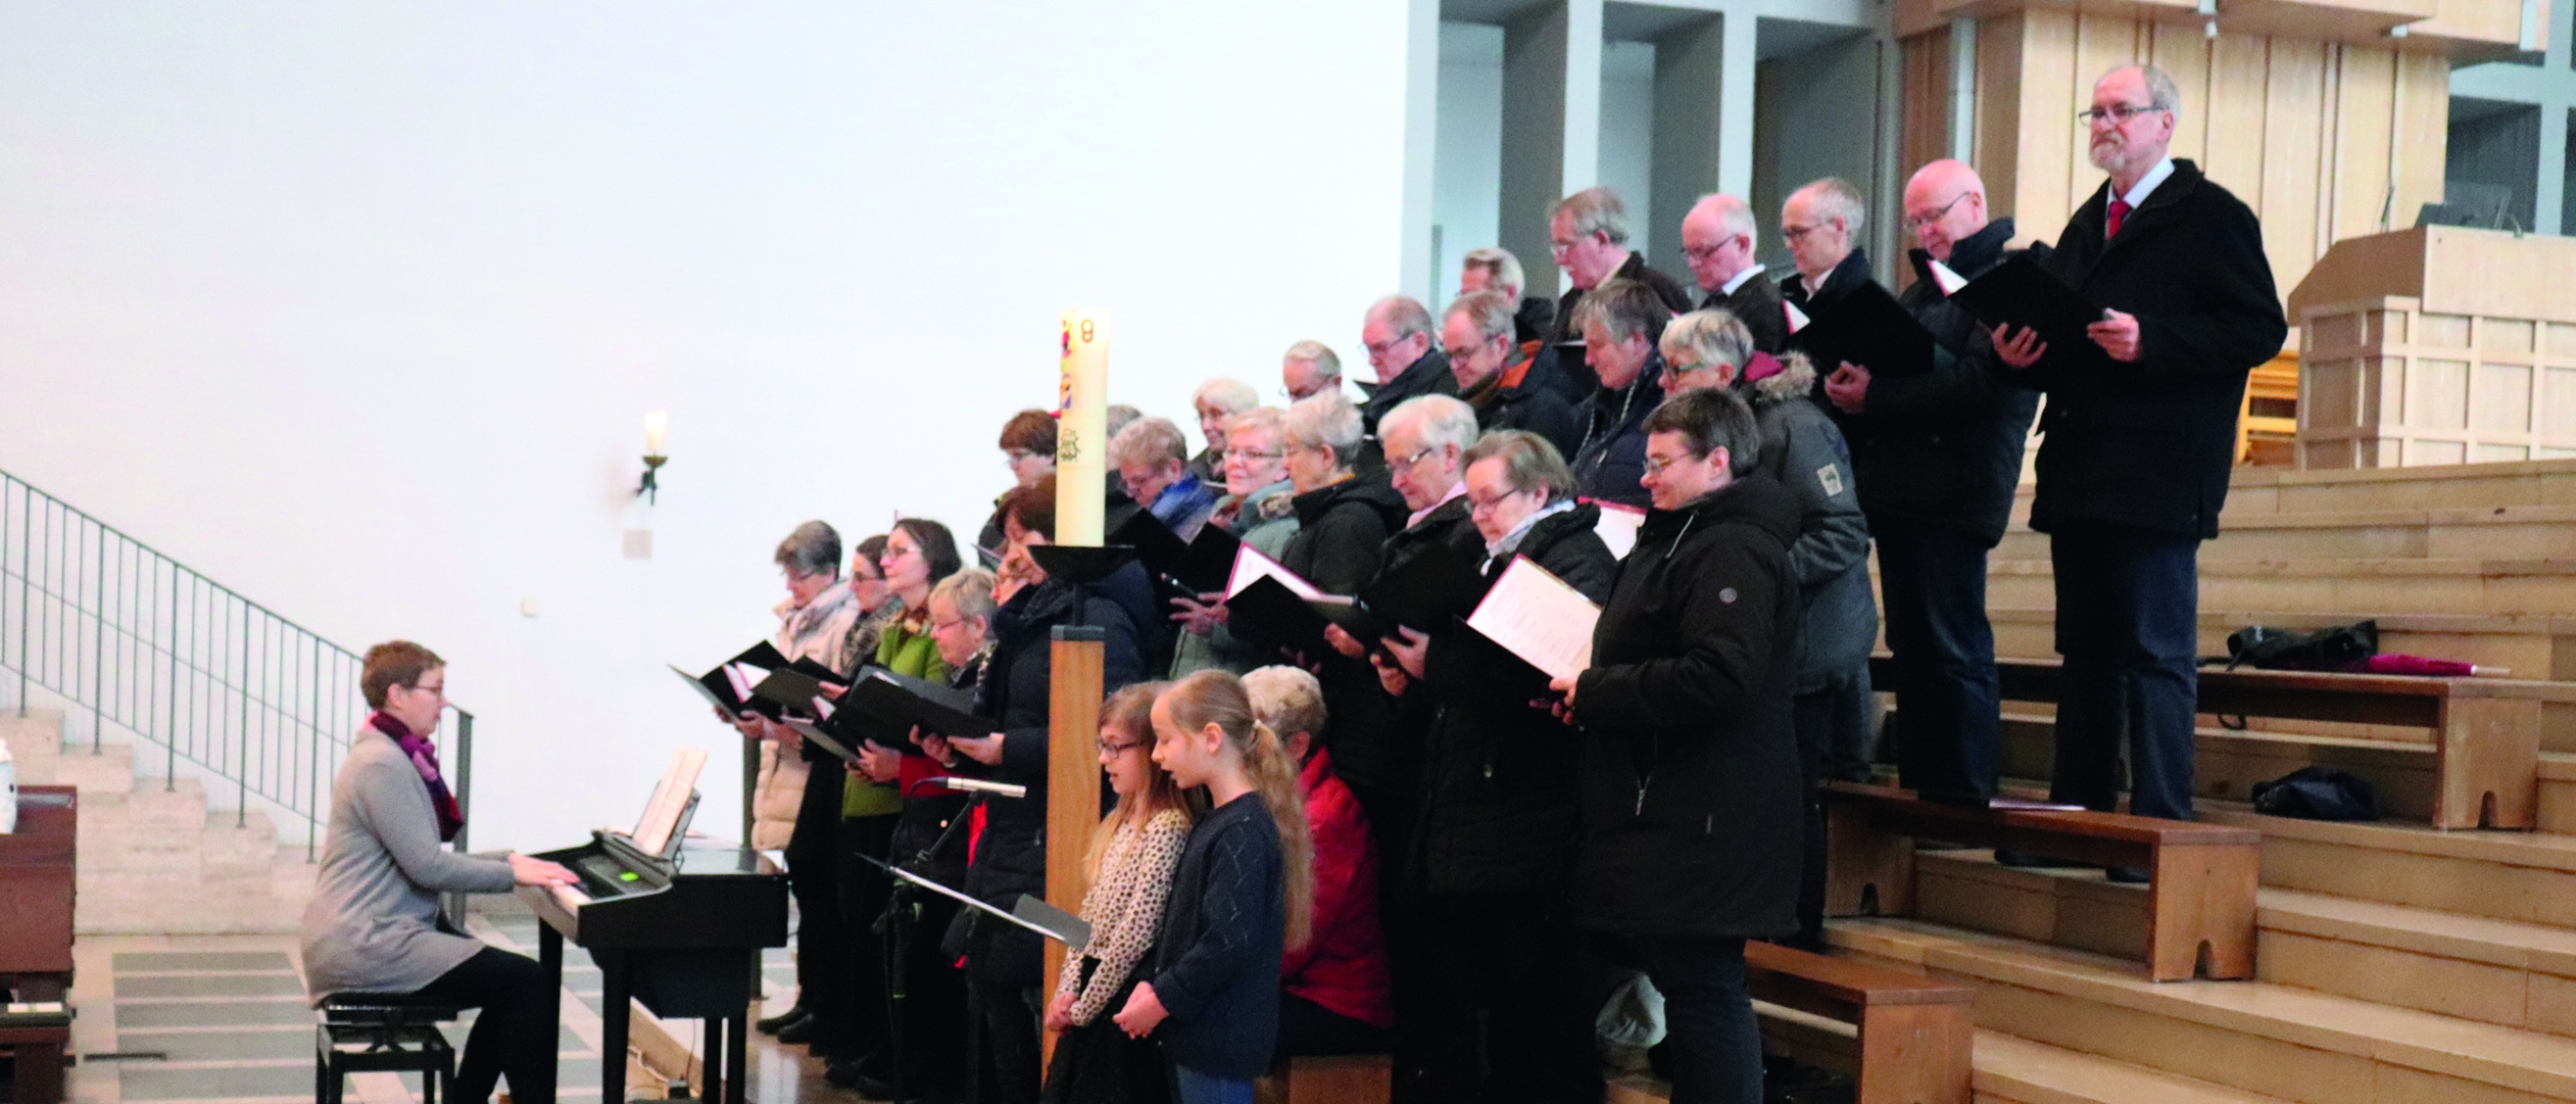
1396,842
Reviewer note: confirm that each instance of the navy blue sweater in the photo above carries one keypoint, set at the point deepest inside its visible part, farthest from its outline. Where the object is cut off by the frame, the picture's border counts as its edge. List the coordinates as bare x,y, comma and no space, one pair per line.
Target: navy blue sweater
1216,968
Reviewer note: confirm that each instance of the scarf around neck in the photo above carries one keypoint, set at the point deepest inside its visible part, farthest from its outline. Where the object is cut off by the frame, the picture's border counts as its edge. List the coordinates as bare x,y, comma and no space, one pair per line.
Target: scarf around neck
424,758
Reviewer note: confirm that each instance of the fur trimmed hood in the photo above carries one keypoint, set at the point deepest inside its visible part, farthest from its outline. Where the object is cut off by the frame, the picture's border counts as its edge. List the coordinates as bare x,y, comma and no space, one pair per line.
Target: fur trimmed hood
1795,376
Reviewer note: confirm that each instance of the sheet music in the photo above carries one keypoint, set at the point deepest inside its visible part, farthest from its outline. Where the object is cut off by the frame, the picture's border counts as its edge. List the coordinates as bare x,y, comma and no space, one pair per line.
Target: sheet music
743,677
1797,318
1618,527
653,832
1251,564
1946,279
1537,617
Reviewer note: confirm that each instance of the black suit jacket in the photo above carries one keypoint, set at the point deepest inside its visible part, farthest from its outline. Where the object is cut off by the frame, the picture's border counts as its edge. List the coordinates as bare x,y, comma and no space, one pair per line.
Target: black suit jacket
2149,444
1427,375
1852,272
1756,303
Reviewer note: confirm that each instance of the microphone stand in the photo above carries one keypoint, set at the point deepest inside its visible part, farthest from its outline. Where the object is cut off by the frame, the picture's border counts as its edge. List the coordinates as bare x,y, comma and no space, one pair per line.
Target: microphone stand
902,911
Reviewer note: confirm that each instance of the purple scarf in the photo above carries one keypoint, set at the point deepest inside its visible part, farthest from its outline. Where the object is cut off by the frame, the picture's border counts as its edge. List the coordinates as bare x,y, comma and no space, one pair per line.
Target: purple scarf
424,757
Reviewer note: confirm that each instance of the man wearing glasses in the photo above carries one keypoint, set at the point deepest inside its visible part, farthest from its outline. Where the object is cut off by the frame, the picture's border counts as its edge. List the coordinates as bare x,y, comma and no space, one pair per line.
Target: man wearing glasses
1717,241
1587,237
2140,431
1397,333
1821,224
1936,456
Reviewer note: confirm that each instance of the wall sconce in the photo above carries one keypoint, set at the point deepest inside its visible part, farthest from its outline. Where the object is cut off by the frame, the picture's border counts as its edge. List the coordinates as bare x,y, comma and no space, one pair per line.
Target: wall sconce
655,425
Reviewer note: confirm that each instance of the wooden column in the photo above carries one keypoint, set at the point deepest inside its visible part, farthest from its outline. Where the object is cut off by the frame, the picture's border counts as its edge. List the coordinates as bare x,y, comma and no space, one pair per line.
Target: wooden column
1073,779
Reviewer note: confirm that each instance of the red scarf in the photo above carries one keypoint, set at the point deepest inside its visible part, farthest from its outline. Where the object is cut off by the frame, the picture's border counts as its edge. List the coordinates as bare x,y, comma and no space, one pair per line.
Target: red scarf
424,758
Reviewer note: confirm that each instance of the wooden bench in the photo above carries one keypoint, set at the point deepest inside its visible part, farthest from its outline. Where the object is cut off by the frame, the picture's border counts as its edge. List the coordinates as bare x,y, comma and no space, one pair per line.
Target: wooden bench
1915,1032
2485,732
2200,901
1346,1079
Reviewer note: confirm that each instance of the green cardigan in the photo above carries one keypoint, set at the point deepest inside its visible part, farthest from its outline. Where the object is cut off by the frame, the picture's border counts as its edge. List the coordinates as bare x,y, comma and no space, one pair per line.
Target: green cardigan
904,652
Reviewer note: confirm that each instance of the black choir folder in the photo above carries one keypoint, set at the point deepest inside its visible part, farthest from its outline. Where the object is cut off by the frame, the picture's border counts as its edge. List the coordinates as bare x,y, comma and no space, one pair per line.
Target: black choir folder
2022,292
731,685
883,707
1532,627
1270,605
1867,327
1197,566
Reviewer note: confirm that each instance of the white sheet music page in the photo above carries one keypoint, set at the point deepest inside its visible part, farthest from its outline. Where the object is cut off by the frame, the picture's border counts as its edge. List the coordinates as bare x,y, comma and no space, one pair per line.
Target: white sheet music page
1537,617
1618,527
742,677
1250,564
654,831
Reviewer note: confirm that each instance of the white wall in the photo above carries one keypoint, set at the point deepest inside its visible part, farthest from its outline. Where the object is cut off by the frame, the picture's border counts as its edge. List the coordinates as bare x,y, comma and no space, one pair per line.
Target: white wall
1628,140
1467,174
356,306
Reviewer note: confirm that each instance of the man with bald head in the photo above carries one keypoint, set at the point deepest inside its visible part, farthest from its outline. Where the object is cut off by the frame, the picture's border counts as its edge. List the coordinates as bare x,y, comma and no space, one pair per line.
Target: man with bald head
1936,457
1404,347
1717,241
2139,434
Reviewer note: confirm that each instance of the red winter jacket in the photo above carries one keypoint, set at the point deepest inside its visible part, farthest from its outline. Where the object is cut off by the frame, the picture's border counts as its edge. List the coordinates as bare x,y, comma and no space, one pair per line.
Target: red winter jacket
1343,965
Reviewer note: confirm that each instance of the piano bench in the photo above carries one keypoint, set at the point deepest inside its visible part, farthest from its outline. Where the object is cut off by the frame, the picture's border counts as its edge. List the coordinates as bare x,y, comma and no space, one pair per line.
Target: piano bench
381,1032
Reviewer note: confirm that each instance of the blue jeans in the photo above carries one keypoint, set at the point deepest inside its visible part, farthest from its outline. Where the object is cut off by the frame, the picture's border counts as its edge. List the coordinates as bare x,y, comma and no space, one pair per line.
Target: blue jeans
1189,1086
1933,594
2128,611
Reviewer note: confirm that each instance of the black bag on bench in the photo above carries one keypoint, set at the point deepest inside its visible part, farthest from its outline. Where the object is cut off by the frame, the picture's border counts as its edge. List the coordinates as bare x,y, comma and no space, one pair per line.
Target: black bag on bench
2317,793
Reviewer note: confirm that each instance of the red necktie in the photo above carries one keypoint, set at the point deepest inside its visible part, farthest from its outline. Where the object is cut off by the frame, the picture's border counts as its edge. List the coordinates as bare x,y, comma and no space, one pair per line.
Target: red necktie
2119,212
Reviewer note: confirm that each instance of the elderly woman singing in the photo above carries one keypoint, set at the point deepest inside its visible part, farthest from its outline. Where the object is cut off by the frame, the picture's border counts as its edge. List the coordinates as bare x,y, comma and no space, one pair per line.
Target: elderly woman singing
373,925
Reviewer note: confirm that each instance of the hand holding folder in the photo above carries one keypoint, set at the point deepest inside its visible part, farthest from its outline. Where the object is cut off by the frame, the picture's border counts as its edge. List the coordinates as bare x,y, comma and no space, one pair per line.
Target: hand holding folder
1868,327
2024,294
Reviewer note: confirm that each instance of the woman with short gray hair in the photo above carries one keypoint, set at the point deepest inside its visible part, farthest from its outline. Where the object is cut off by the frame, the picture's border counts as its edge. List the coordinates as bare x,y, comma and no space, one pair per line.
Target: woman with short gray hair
1342,520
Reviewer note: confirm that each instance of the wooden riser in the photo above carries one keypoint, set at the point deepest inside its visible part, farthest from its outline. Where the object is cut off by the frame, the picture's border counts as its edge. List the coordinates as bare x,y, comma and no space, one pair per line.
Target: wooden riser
2528,532
2014,1070
2491,971
2259,491
2490,587
2522,877
2532,647
2250,1036
2227,765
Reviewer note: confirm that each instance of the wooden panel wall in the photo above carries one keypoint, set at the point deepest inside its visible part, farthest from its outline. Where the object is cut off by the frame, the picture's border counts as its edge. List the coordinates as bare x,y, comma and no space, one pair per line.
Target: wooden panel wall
2324,140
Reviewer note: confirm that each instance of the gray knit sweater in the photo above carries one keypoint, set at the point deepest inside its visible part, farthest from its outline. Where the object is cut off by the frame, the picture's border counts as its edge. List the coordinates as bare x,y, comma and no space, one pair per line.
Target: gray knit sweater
372,924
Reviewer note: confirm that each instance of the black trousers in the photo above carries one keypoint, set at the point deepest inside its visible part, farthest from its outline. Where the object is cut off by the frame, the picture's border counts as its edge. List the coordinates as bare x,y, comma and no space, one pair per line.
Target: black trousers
1510,1008
865,890
1709,1031
824,974
509,1037
2128,610
1310,1030
1932,584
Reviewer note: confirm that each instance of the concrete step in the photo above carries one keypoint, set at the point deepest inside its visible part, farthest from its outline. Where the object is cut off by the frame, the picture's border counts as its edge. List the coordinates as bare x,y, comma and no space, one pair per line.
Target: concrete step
2015,1070
2391,586
2533,646
2254,1037
2492,971
2491,532
36,744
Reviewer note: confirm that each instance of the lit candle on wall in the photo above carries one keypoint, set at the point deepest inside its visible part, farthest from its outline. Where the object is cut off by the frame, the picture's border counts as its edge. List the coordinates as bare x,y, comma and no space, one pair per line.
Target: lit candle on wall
655,425
1082,394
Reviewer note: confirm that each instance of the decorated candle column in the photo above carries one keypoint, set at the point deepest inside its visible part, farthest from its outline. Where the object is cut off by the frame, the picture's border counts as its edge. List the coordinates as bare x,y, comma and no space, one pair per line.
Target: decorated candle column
1082,412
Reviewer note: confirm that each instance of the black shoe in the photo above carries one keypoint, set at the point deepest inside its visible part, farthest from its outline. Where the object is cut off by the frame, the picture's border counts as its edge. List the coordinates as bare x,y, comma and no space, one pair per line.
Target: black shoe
798,1030
849,1075
2017,858
2128,875
772,1025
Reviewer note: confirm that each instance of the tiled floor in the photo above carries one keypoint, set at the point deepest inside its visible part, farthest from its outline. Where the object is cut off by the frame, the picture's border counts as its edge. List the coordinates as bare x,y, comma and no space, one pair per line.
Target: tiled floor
222,1020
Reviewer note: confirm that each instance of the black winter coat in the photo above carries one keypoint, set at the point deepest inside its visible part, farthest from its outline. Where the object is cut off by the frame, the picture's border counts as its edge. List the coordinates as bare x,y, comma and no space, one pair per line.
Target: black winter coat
1686,719
1497,816
1341,529
1756,303
1943,449
1428,375
1525,396
2149,445
1803,451
1011,860
1377,740
1610,464
1579,374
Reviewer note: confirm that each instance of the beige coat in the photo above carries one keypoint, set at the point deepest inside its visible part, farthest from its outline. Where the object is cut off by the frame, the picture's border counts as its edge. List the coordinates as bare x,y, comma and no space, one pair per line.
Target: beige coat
814,632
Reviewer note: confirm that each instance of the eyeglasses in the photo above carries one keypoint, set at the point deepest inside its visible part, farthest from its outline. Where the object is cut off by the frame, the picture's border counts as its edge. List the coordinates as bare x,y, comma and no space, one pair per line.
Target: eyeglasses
439,691
1655,466
1381,348
1916,223
1794,234
1676,368
1015,455
1252,454
1121,747
1477,505
938,625
1708,254
2117,114
1417,458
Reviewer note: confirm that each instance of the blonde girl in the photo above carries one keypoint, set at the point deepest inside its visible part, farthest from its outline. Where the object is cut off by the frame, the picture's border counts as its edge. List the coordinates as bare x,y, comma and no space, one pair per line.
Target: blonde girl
1242,894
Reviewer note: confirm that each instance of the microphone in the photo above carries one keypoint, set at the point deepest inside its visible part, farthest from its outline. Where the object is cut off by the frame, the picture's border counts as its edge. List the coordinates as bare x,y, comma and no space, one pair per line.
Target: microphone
978,785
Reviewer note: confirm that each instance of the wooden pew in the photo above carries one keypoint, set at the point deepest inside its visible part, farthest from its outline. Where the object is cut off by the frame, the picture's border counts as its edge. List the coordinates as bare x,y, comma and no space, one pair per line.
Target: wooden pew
2201,898
2486,732
1349,1079
37,882
1915,1032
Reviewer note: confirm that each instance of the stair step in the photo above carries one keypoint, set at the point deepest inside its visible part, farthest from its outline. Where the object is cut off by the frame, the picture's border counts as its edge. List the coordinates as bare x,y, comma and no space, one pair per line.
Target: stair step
2256,492
2533,646
2491,532
2017,1070
2519,876
2255,1036
2472,967
2483,586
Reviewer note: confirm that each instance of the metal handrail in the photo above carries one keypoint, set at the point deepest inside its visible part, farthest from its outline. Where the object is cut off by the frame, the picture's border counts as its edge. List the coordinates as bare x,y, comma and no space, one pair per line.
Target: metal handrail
141,642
